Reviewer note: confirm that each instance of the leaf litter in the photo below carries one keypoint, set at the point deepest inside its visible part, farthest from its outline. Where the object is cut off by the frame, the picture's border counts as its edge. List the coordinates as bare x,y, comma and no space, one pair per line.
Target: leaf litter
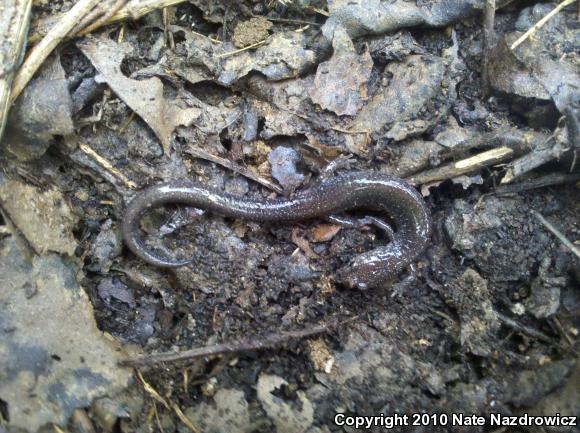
257,98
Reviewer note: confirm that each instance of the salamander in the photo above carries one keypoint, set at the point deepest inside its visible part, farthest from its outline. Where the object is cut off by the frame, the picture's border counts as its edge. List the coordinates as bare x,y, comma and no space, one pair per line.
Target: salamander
355,190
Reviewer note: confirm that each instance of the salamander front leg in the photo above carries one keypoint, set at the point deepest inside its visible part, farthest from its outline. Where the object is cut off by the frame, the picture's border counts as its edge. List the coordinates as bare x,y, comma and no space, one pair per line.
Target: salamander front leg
409,278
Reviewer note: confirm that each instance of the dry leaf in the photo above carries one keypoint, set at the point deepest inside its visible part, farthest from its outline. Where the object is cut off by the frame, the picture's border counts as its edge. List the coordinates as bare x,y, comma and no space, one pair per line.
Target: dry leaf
145,97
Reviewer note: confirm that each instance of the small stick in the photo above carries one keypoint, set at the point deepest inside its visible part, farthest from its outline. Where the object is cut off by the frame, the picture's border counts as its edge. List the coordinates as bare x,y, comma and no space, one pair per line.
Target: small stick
167,404
449,171
318,11
532,160
135,9
561,330
519,141
290,21
540,182
488,42
557,233
202,154
540,23
107,165
42,50
255,343
231,53
530,332
103,19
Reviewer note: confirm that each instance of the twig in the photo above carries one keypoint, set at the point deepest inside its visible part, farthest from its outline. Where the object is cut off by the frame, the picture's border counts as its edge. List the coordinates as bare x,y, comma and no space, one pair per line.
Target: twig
248,344
516,139
214,40
15,17
110,11
546,152
530,332
151,391
468,165
540,182
157,420
290,21
107,165
231,53
42,50
134,10
183,418
488,41
558,325
318,11
202,154
540,23
167,404
557,233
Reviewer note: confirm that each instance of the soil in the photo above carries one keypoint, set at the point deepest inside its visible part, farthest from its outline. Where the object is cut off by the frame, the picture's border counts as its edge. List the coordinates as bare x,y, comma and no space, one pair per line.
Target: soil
489,321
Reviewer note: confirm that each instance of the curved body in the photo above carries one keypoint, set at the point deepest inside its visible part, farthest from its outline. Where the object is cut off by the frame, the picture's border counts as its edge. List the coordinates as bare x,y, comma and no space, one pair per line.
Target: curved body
355,190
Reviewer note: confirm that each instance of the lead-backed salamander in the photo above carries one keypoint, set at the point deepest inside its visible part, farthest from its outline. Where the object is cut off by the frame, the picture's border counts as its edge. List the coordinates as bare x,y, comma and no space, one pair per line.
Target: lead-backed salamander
356,190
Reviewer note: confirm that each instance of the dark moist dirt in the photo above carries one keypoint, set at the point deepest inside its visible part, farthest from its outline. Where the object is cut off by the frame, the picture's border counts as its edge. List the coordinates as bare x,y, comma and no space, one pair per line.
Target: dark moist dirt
488,324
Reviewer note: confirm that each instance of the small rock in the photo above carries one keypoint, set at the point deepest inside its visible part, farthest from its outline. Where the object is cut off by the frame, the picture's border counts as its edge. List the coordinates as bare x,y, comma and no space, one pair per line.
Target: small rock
341,83
283,161
43,217
543,301
237,186
452,135
106,247
287,418
43,110
114,288
210,387
250,131
229,412
531,385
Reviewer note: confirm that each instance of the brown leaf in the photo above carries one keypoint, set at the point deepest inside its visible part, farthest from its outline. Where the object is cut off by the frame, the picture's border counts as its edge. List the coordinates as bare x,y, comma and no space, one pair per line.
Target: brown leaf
145,97
324,232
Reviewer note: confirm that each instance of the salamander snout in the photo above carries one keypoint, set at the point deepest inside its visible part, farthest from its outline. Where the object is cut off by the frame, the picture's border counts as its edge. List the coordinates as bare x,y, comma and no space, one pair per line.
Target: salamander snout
350,279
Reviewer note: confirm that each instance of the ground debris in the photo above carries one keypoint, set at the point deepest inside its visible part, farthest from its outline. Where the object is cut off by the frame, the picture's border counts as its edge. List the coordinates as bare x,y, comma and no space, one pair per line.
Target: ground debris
257,99
532,385
43,217
284,55
340,84
362,17
285,416
229,411
144,97
479,324
542,67
251,32
70,362
486,233
42,111
283,161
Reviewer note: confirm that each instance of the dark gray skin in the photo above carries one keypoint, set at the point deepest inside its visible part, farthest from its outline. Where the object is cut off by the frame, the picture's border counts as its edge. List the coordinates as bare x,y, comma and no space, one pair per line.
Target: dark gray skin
356,190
